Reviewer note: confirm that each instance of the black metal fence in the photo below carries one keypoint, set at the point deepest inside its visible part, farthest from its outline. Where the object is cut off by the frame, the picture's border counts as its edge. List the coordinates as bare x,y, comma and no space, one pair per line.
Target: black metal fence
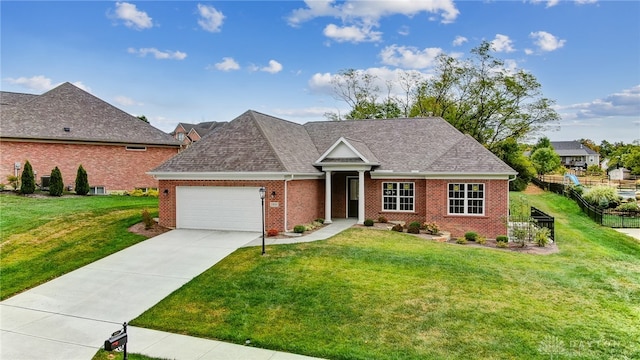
614,219
543,219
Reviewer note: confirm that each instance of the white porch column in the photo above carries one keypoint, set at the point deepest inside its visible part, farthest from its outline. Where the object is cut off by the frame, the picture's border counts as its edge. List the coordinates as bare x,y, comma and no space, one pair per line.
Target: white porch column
360,196
327,197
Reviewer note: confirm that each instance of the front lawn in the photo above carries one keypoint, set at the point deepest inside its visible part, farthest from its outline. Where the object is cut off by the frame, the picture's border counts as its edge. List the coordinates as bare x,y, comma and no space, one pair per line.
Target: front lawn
43,238
370,294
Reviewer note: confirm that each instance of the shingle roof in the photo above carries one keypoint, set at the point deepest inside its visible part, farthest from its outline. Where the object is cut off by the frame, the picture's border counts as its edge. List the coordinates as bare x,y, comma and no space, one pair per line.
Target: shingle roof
202,128
87,118
259,142
571,148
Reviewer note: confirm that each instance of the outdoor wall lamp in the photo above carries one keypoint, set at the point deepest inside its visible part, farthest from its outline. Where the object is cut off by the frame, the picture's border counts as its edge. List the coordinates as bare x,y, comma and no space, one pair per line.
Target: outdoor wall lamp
166,191
273,194
263,192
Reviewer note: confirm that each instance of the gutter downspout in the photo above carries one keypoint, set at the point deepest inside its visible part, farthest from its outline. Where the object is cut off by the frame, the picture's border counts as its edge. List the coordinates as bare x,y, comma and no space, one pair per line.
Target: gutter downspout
286,202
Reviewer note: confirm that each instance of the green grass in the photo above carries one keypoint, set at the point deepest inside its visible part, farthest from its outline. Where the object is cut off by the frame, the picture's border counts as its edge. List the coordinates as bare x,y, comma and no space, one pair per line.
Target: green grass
116,355
43,238
367,294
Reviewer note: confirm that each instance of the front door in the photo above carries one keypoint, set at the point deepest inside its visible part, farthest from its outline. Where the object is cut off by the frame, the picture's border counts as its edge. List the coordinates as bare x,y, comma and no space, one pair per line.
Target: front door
352,197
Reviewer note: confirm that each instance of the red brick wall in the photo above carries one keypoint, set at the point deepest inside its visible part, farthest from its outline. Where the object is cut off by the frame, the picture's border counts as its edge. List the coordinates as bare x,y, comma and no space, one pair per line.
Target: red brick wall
490,225
373,203
305,201
111,166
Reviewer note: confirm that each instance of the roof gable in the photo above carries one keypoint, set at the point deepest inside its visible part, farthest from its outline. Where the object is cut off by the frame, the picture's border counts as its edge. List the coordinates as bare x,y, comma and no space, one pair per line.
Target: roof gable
467,156
68,113
348,151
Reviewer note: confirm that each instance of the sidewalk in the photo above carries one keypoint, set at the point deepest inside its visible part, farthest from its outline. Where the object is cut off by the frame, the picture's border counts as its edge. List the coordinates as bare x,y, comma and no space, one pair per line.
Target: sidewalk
631,232
71,316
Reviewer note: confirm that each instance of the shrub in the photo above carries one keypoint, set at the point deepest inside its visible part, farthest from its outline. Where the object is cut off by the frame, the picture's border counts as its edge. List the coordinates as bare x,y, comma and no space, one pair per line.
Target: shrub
2,187
520,236
398,228
502,244
461,240
28,185
432,228
272,232
152,193
541,237
136,193
471,236
415,224
602,196
413,230
56,185
147,219
319,220
481,240
382,219
299,229
502,238
368,222
82,182
13,181
630,207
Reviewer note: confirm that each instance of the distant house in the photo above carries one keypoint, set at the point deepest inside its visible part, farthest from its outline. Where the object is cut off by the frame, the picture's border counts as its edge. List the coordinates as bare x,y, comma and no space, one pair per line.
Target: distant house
187,134
415,169
575,155
67,127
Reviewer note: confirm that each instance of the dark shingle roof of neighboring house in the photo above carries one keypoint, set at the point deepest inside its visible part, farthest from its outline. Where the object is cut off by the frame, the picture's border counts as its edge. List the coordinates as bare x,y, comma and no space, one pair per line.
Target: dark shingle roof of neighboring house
86,117
571,148
9,100
255,142
202,128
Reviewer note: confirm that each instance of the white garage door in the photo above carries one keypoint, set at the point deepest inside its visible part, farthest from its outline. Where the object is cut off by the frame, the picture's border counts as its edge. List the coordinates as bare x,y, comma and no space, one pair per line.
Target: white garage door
218,208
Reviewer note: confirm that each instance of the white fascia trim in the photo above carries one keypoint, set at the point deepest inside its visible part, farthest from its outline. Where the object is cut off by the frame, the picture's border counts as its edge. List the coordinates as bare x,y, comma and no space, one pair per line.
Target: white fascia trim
232,176
345,167
438,176
346,142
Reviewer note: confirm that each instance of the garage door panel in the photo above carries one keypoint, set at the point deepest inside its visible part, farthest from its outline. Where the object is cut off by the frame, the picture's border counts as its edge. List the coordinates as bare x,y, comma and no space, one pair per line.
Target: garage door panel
219,208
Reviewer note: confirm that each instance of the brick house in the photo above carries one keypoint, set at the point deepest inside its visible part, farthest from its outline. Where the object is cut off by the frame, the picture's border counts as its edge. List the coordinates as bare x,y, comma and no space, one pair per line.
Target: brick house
68,127
415,169
187,134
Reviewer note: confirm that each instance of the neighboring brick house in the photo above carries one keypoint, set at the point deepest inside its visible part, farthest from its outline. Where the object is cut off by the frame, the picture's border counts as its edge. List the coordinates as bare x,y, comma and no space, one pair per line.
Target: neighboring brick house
187,134
575,155
67,127
413,169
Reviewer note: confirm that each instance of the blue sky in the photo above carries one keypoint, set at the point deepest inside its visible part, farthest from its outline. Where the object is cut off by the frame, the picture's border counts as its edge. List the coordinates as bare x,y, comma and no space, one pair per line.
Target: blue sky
211,61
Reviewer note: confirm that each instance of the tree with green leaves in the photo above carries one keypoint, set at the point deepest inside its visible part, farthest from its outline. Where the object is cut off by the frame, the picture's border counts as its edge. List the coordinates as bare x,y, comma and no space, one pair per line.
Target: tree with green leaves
28,185
82,182
545,160
56,185
143,118
513,155
543,142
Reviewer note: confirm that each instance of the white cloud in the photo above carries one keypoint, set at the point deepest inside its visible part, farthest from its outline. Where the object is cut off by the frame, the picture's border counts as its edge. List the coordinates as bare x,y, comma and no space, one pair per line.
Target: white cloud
404,31
227,64
322,83
360,17
211,19
459,40
502,43
132,17
160,55
409,57
41,83
37,83
353,33
125,101
585,2
273,68
546,41
625,103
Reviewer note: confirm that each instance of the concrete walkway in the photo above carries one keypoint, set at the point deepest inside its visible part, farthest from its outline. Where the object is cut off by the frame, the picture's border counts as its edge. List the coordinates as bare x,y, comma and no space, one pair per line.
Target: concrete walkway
71,316
631,232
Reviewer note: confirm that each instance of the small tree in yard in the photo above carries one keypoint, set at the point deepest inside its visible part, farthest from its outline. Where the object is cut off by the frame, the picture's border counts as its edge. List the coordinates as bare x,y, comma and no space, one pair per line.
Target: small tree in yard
545,160
82,183
28,179
56,185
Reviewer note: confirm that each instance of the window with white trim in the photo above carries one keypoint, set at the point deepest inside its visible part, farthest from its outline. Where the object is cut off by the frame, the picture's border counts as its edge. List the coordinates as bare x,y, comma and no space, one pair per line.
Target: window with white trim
466,199
398,196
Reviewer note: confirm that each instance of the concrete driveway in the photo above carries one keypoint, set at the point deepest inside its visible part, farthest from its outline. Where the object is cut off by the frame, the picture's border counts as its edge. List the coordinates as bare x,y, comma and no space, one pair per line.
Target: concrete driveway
71,316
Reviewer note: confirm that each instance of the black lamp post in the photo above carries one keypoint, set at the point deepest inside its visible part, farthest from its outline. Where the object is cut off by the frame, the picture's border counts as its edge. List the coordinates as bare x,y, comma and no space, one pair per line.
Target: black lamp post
262,191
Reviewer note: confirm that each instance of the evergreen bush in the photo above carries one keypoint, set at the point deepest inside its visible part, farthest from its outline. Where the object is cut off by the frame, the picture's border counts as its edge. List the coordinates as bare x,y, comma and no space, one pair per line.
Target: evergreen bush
471,236
299,229
28,179
82,182
56,185
368,222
